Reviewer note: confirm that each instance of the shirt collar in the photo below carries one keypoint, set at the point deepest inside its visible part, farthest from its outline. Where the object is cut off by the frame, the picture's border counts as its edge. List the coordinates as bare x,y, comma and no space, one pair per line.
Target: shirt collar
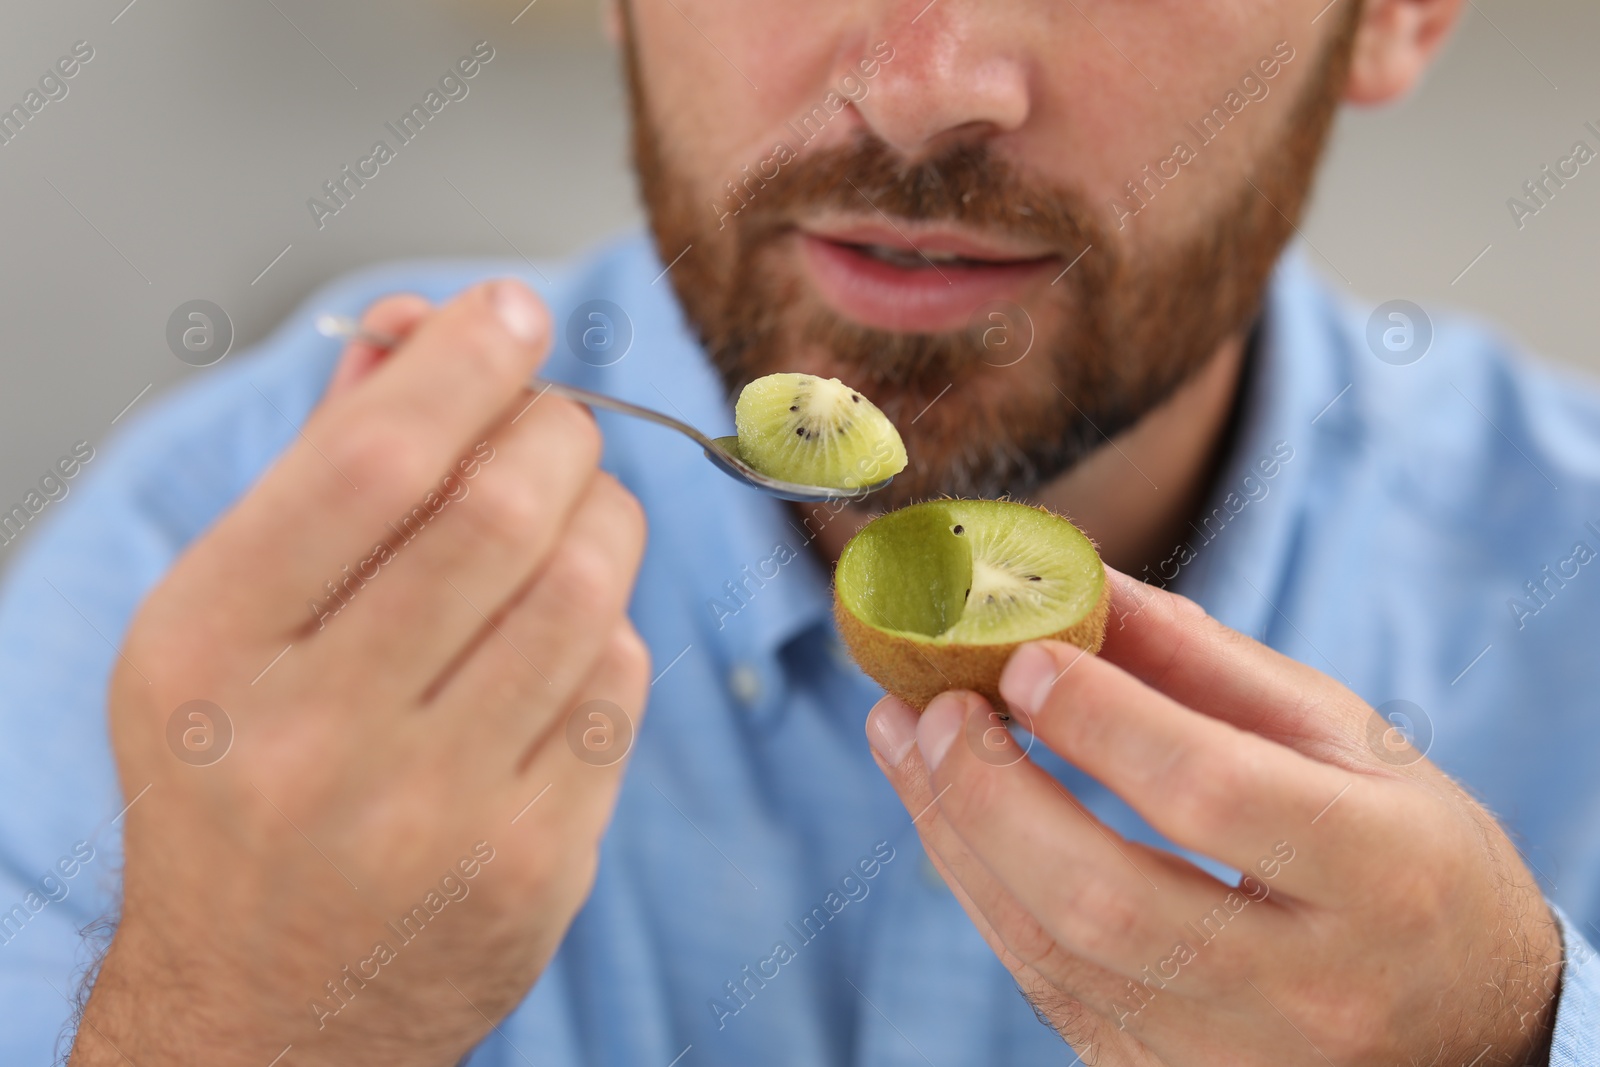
1293,401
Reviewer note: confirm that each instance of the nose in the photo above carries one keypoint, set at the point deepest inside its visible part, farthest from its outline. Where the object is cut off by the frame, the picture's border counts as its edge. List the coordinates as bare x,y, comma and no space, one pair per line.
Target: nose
956,75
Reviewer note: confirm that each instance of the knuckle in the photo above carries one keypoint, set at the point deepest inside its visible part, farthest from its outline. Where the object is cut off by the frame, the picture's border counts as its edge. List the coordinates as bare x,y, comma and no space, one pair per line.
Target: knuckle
587,576
1033,946
566,436
629,656
1098,920
284,788
508,512
384,457
975,796
1225,961
1185,610
576,429
621,509
1205,793
1077,717
1315,706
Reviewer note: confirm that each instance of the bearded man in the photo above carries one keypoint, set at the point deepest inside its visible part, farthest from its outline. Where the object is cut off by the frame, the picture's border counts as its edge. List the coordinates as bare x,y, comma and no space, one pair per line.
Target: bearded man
326,688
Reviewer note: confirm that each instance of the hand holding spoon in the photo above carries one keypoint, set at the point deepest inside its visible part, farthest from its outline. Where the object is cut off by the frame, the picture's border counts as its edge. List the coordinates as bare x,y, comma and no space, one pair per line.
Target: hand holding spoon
723,452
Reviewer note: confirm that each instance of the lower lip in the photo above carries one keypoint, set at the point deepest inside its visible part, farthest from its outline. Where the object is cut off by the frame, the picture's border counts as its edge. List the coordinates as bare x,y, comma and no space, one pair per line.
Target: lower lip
926,300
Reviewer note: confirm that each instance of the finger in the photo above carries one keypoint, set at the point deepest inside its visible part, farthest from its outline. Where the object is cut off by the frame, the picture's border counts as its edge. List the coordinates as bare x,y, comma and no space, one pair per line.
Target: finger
597,734
370,454
1171,644
392,317
526,664
1083,884
1203,783
559,803
1012,933
462,551
1085,1001
577,760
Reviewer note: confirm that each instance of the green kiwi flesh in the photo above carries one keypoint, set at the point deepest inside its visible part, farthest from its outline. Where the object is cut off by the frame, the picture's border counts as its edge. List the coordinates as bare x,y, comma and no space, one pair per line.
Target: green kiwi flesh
936,596
816,431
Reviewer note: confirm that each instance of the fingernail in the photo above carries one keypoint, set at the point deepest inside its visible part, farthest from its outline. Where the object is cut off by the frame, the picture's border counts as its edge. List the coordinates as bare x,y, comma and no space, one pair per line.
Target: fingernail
892,730
519,310
1026,681
938,727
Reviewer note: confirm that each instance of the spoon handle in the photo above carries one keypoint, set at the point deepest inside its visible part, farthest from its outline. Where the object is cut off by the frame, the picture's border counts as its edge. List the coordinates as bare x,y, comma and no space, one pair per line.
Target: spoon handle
611,403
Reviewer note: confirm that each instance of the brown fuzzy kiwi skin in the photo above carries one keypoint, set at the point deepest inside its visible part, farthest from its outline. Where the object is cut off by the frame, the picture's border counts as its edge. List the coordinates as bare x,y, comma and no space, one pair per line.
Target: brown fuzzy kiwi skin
918,671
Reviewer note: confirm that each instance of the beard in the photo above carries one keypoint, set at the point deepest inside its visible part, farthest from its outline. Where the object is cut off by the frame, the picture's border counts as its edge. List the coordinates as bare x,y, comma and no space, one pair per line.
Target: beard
1023,394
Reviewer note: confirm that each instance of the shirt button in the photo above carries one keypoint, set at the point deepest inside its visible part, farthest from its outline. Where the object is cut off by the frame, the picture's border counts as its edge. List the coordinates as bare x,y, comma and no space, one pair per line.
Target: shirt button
745,684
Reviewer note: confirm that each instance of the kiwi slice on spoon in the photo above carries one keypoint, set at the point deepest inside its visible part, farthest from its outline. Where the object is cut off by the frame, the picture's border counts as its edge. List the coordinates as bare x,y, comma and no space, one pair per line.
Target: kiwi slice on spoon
816,431
938,595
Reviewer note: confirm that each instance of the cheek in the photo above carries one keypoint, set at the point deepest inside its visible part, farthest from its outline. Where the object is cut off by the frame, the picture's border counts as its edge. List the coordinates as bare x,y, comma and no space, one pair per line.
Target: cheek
722,79
1101,121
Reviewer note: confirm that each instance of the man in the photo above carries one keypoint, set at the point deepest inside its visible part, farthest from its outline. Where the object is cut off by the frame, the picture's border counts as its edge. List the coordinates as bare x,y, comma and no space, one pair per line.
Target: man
379,627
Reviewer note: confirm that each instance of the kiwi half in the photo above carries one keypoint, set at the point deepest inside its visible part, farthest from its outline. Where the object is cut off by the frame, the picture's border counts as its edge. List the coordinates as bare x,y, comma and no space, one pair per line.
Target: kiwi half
816,431
937,596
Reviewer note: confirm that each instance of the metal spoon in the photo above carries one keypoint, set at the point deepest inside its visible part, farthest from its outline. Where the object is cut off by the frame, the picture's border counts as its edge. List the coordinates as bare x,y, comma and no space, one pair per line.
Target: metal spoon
723,452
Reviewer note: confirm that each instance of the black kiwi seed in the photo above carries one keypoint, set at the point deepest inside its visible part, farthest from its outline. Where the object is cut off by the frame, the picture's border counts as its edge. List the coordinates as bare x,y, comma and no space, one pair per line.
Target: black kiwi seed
794,407
1033,578
958,530
801,430
855,398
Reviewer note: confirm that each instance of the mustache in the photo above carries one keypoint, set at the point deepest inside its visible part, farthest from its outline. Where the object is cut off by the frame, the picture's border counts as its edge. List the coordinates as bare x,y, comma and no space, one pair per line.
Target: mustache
967,184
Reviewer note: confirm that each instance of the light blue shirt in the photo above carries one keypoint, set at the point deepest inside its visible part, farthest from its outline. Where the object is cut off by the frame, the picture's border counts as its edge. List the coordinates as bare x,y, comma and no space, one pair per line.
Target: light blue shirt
1406,510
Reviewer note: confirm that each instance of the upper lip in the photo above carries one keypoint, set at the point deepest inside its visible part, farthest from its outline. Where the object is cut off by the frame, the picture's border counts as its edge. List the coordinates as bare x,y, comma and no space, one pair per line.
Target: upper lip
937,238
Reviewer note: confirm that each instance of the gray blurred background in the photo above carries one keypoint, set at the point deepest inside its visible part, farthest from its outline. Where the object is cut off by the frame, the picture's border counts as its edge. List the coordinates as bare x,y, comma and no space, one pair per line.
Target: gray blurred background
179,164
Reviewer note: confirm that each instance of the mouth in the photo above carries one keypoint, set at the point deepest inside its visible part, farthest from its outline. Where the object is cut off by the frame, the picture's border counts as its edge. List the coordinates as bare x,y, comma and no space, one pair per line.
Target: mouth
924,259
918,279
